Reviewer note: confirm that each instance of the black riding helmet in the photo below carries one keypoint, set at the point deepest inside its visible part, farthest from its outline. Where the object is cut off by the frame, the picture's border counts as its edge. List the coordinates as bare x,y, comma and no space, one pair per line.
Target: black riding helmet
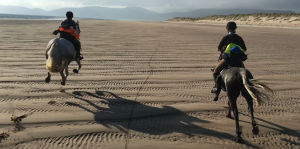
69,14
231,26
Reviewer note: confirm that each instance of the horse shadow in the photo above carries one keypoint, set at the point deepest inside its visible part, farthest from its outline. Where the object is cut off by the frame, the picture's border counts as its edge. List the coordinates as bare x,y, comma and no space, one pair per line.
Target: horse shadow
279,128
127,114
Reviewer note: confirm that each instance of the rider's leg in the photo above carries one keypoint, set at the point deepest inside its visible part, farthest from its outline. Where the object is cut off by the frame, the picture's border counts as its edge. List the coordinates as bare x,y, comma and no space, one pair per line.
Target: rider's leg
79,48
219,68
76,46
73,40
217,88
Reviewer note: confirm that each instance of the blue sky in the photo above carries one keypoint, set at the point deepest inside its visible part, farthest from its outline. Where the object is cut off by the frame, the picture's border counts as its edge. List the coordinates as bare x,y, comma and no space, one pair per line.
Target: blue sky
159,5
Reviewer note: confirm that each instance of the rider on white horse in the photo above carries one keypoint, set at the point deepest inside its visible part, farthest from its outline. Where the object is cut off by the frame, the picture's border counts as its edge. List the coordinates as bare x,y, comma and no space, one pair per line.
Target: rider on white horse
70,31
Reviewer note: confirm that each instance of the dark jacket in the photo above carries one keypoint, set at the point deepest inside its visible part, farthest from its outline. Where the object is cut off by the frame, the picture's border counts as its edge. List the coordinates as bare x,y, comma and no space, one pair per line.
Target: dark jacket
66,24
235,39
232,38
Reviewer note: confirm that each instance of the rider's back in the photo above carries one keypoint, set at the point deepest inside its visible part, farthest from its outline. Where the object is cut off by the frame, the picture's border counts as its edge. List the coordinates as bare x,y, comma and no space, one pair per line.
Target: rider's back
68,23
234,54
232,38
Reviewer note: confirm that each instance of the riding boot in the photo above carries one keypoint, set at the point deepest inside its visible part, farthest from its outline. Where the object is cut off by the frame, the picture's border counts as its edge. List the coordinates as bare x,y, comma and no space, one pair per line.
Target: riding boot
215,75
217,93
217,89
78,55
217,71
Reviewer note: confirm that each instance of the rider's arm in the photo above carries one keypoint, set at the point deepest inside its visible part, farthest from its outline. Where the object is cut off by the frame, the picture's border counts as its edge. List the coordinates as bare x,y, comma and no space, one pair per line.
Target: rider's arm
78,27
222,43
242,44
55,32
62,22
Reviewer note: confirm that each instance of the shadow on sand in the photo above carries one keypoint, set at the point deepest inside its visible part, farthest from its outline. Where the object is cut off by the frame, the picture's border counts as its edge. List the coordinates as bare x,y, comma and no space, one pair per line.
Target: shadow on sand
279,128
146,119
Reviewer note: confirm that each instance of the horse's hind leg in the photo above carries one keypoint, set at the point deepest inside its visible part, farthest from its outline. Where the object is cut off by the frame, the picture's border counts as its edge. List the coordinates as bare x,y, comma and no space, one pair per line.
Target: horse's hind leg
249,99
63,78
48,78
236,117
233,94
79,66
229,111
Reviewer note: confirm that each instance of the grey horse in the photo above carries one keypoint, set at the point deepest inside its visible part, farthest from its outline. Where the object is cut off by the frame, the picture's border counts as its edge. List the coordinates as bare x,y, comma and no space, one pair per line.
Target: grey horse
59,54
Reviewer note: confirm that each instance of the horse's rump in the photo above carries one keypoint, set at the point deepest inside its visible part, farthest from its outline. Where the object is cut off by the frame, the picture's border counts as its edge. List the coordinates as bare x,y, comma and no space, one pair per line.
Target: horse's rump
60,52
243,78
65,48
54,60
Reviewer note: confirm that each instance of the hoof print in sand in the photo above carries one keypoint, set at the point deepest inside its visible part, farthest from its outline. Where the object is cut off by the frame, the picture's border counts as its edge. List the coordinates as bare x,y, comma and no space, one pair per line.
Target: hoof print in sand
52,102
17,121
3,136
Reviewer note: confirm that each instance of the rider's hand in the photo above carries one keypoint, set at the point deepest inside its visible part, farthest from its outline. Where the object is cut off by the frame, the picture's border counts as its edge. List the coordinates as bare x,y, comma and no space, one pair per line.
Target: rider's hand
55,32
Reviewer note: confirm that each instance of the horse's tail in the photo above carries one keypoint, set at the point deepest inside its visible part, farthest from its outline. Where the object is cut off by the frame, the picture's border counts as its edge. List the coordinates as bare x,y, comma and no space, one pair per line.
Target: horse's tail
54,59
52,64
253,86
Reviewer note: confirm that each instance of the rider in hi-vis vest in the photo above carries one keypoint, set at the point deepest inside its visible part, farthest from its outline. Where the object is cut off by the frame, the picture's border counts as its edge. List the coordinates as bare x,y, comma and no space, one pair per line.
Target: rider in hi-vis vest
232,48
70,30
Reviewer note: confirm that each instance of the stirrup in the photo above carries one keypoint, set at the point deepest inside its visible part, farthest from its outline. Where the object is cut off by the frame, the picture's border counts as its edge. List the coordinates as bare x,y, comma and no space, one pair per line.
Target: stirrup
80,57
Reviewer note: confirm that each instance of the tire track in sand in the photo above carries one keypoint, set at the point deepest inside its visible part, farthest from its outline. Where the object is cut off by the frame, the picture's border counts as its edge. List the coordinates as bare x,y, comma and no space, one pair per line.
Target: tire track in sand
137,95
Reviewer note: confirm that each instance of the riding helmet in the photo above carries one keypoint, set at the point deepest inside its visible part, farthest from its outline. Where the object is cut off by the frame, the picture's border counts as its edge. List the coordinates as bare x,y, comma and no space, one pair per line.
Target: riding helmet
69,14
231,26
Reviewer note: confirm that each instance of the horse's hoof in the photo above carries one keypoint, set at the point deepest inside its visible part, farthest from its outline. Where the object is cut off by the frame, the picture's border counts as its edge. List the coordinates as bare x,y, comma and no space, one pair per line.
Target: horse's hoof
255,130
75,70
47,80
229,116
63,83
239,140
216,98
213,91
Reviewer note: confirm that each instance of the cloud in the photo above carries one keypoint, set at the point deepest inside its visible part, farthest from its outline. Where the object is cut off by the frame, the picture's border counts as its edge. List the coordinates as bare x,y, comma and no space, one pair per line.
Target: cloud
160,5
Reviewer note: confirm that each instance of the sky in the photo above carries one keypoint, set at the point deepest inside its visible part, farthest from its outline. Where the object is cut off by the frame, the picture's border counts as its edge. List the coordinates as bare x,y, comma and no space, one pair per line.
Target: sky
159,5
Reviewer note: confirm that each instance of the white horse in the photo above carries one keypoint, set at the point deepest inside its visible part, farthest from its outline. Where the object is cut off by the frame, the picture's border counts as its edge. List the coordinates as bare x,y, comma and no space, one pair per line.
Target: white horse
59,54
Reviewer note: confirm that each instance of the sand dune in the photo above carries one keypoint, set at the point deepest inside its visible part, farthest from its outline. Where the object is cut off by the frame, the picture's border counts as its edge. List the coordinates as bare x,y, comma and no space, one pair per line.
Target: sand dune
278,20
164,67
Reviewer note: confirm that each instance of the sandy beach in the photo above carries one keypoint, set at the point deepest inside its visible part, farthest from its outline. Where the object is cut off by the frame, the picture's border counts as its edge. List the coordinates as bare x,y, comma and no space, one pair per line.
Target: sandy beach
164,67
